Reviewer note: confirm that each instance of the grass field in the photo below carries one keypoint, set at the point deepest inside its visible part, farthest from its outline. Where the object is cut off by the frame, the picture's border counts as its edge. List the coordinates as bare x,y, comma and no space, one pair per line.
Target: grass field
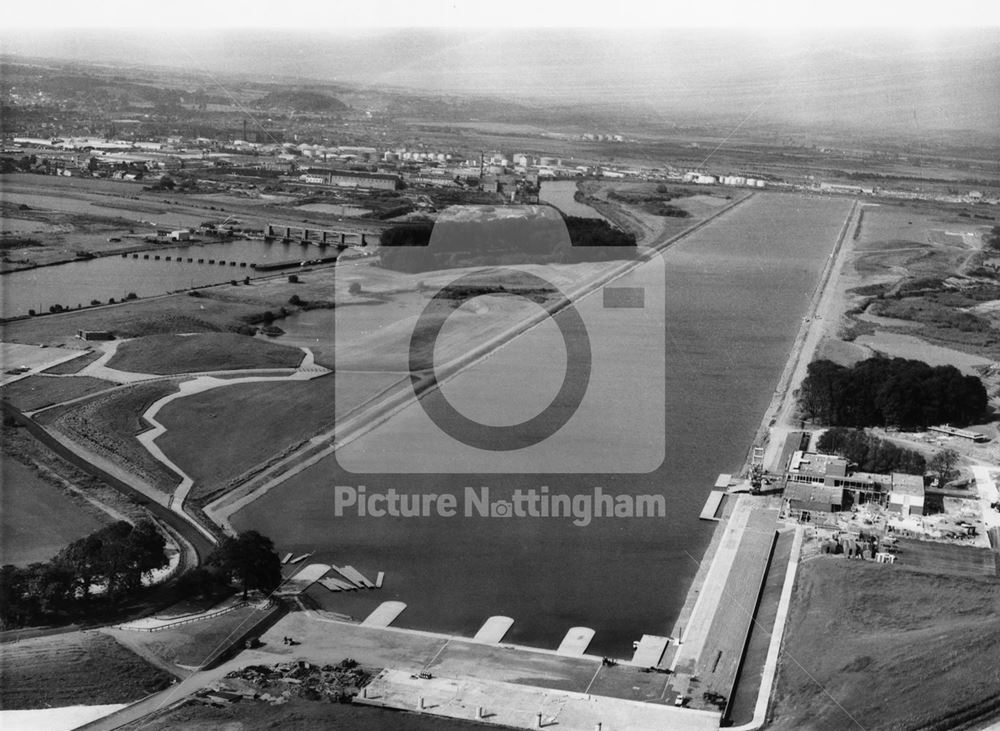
37,519
76,365
108,425
170,354
871,646
87,668
216,435
36,392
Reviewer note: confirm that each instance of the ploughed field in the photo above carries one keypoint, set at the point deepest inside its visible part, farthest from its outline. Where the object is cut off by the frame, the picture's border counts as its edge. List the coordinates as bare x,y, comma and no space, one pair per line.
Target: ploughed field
59,671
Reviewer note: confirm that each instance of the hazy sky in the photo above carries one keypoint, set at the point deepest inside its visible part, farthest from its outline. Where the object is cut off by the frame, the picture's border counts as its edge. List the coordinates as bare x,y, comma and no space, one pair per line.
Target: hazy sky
916,78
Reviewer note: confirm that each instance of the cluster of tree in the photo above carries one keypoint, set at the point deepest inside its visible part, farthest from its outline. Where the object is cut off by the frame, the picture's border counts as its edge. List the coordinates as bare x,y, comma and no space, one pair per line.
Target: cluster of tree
503,241
114,558
945,464
869,452
250,559
992,239
909,394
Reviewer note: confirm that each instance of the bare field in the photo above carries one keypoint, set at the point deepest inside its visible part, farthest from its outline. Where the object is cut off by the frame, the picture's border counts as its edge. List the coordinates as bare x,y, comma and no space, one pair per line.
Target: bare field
36,392
172,354
872,646
108,425
195,643
62,670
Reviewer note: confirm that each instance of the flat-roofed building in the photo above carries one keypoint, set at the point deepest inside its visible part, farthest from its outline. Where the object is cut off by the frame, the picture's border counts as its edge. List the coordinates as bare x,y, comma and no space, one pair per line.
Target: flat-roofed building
906,496
807,498
826,470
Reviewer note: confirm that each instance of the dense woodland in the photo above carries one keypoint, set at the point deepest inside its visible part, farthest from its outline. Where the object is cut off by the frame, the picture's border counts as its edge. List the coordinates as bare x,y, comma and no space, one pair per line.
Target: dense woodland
908,394
113,560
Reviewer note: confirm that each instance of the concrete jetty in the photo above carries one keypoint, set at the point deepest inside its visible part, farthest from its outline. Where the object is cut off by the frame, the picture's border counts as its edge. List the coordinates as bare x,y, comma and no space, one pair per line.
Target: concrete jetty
576,641
494,629
650,651
380,579
355,576
712,505
287,558
303,579
384,614
337,585
299,559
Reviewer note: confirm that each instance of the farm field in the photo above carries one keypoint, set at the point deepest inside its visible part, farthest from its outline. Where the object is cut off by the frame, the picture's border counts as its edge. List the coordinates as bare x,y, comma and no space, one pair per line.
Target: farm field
37,519
172,354
60,671
36,392
892,648
947,558
108,425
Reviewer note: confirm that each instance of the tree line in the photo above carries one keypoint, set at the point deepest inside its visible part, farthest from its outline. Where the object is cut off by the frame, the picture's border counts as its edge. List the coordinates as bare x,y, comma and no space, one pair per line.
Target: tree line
407,247
870,453
115,558
908,394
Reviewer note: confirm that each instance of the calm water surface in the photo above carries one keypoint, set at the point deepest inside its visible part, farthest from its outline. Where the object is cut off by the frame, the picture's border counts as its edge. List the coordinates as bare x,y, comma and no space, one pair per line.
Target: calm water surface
736,292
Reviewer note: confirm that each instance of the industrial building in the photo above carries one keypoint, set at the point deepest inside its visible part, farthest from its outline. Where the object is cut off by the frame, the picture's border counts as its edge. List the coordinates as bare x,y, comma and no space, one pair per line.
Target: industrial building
825,483
361,179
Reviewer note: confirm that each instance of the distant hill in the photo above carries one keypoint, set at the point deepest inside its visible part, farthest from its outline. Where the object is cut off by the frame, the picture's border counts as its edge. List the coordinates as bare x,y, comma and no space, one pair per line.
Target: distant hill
301,101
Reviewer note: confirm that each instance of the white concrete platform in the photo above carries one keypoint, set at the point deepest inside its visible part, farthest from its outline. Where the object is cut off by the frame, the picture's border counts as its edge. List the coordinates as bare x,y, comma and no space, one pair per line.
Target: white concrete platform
303,579
712,505
384,614
650,651
576,641
355,576
518,706
337,585
494,629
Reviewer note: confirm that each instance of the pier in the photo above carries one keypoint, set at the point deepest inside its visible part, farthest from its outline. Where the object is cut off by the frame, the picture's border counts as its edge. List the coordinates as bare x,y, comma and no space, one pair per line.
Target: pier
494,629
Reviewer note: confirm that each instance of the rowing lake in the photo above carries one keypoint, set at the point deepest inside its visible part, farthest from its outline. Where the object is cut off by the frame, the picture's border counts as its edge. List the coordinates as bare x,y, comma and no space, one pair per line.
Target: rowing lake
735,295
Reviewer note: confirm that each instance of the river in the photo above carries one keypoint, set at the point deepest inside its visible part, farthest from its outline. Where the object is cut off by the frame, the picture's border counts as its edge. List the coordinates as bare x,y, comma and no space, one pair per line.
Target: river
80,282
560,193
